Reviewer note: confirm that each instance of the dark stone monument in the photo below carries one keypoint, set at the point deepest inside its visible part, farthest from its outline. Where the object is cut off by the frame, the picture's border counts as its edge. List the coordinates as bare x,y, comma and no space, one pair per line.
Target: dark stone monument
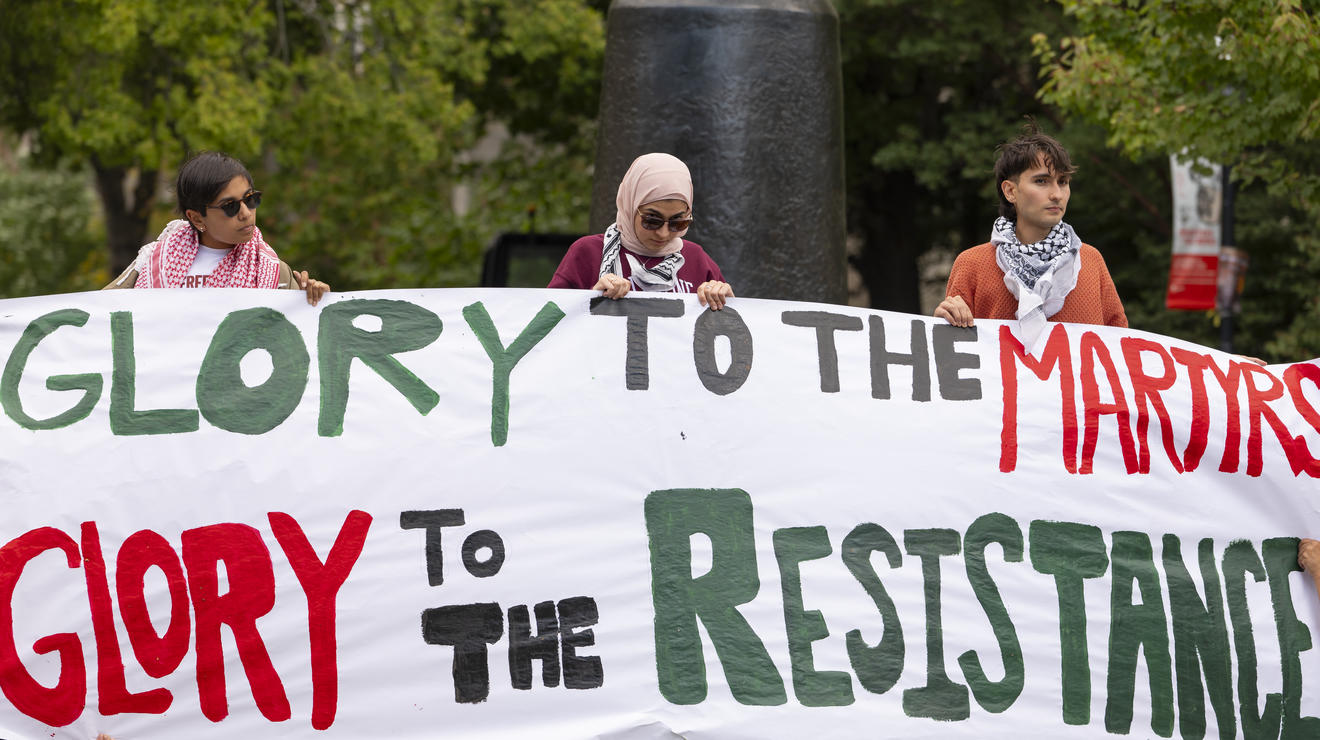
749,94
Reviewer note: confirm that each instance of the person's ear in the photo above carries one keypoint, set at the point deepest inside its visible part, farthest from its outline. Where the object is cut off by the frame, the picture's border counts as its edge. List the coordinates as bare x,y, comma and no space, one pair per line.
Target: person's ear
1009,189
195,218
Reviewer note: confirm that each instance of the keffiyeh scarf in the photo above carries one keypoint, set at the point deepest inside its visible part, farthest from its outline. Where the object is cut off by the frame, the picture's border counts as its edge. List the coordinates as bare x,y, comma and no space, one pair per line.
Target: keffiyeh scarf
658,278
1040,275
165,262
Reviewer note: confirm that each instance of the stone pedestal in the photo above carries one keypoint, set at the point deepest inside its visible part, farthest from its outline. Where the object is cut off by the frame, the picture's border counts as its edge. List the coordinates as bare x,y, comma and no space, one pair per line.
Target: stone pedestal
749,94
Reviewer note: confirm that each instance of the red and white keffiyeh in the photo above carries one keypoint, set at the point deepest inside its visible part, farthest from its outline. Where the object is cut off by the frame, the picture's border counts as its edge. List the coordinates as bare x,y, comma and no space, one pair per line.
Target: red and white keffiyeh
165,262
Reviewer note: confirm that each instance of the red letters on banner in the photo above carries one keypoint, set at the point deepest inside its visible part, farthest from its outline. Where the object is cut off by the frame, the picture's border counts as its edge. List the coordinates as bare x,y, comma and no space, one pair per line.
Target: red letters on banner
250,594
1095,351
1056,364
1057,353
60,705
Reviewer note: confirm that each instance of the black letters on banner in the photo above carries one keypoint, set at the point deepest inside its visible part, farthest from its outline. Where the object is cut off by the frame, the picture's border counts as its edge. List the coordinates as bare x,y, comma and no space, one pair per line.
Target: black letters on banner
882,358
637,372
524,647
949,362
477,540
825,324
469,628
432,522
558,633
728,323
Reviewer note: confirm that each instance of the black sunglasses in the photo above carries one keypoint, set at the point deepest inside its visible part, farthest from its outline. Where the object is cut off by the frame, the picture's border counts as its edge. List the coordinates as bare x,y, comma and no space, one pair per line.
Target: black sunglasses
652,222
230,207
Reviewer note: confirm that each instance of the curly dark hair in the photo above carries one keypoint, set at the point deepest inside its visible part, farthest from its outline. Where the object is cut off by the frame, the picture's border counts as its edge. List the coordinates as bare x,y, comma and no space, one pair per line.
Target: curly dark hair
1021,154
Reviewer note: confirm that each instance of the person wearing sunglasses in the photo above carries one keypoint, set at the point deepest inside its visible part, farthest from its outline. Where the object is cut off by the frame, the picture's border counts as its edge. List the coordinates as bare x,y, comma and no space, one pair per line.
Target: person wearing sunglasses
217,243
644,247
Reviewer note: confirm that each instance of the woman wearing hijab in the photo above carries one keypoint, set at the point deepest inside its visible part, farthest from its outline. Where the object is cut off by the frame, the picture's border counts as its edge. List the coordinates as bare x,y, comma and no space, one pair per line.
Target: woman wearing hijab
644,247
217,243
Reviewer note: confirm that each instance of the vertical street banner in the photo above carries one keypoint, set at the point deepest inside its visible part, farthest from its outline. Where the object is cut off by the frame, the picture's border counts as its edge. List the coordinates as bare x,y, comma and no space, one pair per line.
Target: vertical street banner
534,513
1197,209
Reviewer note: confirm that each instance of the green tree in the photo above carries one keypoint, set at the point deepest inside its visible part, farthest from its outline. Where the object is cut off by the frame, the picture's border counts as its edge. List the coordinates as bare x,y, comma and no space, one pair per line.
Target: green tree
352,115
125,86
371,140
47,240
930,90
1234,82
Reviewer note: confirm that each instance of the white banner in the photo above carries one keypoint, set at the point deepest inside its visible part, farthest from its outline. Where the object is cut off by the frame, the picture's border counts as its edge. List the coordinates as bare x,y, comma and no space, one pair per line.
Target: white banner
513,513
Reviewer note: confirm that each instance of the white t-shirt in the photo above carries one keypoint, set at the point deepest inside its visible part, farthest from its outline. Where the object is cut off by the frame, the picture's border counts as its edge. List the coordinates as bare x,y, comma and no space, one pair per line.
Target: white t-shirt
203,265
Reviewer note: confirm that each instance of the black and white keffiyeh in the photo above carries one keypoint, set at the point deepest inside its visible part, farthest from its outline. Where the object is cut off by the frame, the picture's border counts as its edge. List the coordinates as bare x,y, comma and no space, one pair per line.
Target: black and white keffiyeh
657,278
1030,261
1041,274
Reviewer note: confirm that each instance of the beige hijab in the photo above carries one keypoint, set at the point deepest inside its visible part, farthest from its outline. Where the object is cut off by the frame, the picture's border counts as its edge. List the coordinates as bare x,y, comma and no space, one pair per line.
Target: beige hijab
651,177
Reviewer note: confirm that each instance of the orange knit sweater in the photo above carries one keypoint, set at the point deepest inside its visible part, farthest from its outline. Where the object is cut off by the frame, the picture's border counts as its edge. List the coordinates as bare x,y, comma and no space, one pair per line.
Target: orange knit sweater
977,278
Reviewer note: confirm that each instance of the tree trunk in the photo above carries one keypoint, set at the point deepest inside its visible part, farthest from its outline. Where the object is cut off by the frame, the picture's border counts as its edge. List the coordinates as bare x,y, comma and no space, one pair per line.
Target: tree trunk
126,214
888,261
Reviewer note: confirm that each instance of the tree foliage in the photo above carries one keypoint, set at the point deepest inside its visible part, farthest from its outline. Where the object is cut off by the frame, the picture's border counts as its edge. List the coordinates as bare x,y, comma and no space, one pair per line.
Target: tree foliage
47,242
366,122
929,90
355,117
1217,78
1235,82
932,88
